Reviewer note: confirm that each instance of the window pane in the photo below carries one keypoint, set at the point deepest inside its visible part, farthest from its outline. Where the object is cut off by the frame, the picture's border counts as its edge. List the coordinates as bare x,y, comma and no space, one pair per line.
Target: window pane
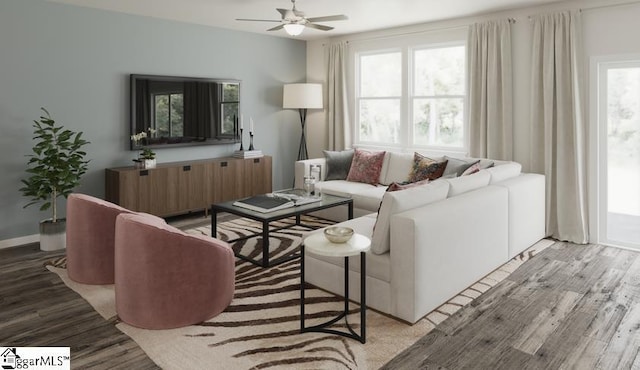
438,122
230,92
177,112
623,155
162,115
229,113
381,75
380,120
439,71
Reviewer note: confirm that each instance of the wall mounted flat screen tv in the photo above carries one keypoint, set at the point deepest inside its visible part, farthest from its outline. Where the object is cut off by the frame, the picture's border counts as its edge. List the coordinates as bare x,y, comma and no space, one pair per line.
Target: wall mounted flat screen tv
184,111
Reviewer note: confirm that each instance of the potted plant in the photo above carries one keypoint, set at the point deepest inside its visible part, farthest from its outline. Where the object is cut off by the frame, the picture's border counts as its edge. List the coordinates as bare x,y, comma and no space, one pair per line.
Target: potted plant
146,157
54,169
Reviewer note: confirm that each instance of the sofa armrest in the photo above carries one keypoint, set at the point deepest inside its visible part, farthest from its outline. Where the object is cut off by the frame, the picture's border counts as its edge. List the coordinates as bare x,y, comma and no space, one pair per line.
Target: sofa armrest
302,169
440,249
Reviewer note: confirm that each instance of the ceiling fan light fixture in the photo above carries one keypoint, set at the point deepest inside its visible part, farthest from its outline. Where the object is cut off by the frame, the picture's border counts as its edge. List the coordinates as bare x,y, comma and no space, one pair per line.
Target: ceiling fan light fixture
294,29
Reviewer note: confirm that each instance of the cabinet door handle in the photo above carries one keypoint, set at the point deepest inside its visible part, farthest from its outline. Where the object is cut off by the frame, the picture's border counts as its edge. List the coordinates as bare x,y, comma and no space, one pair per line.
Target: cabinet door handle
223,164
144,173
256,160
186,168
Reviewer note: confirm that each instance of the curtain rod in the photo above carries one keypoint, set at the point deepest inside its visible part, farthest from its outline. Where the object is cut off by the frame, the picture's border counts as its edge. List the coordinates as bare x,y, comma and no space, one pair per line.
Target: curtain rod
511,20
584,9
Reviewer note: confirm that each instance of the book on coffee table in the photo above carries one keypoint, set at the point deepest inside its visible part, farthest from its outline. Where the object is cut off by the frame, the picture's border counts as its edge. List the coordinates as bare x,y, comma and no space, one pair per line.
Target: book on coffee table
264,203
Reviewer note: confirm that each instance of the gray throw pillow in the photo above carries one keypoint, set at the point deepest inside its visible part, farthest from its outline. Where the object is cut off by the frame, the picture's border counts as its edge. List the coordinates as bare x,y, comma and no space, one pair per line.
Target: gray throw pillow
338,164
456,166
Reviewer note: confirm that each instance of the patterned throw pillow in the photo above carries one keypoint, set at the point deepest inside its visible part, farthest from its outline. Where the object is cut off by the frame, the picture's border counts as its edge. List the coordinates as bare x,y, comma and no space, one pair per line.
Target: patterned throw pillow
471,169
366,167
338,164
426,168
394,186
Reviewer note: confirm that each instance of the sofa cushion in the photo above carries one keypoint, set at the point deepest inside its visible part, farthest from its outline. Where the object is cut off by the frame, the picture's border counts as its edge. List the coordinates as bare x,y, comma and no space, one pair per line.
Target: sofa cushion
457,166
366,166
343,188
399,201
369,199
426,168
465,184
504,171
396,168
338,164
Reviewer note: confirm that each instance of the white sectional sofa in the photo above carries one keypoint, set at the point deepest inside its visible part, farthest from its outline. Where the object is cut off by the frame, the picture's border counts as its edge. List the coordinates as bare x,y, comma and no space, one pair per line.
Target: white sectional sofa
432,241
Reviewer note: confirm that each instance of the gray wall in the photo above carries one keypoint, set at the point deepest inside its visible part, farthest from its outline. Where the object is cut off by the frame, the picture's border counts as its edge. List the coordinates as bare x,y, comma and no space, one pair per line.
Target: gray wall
76,62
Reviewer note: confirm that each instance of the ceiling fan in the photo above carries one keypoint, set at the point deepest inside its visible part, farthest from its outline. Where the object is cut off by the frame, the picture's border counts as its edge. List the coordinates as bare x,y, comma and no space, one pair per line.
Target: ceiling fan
294,21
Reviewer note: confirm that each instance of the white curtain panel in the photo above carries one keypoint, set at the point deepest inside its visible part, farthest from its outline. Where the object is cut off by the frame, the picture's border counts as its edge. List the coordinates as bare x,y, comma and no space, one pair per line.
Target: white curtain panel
557,122
337,103
490,90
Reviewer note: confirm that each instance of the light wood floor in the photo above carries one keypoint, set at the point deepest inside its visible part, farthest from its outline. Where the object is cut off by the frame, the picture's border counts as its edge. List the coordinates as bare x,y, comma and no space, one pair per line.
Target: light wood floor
569,307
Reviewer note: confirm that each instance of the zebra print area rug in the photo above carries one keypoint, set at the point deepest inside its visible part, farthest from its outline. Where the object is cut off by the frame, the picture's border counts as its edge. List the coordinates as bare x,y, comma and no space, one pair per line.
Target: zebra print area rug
260,329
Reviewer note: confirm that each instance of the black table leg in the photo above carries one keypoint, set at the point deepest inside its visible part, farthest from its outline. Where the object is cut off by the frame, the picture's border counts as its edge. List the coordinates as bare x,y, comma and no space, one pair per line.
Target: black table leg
302,288
363,297
350,212
324,328
265,244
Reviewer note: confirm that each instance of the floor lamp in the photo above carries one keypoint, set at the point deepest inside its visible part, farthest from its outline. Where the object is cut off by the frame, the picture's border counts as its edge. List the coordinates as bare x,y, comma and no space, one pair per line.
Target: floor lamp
302,97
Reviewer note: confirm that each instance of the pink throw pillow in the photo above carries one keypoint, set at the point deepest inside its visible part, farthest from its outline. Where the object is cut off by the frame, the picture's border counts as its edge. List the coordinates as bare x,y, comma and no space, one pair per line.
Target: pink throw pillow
366,167
394,186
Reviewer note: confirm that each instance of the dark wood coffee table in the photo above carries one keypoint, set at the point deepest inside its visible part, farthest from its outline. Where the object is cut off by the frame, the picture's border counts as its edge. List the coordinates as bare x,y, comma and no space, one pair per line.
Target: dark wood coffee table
327,201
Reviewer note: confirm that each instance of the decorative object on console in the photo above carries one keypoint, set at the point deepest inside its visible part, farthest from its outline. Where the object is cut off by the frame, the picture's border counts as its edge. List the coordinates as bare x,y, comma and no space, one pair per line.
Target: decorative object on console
248,154
426,168
366,167
252,152
146,157
251,134
54,170
338,164
302,96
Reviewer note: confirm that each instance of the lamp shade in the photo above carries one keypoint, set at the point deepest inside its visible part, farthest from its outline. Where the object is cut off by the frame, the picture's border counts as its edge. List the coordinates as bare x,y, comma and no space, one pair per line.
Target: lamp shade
294,29
296,96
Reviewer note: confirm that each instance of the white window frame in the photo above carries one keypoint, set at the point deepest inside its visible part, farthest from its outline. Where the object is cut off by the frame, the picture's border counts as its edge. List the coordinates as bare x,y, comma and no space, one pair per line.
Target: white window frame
358,97
406,144
598,175
465,98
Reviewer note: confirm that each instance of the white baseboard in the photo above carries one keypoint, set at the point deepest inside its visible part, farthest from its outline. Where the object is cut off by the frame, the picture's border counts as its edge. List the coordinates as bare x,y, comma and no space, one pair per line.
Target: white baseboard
15,242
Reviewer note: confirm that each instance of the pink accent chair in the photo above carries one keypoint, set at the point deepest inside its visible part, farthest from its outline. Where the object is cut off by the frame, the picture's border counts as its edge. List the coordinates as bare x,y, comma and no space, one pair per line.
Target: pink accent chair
165,278
91,224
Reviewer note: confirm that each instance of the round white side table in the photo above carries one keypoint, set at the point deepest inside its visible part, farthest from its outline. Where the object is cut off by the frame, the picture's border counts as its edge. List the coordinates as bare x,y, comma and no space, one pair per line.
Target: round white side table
318,244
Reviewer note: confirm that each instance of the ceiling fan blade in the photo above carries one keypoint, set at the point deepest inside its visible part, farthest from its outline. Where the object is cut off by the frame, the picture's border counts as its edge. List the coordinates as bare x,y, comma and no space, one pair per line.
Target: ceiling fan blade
257,20
279,27
329,18
318,26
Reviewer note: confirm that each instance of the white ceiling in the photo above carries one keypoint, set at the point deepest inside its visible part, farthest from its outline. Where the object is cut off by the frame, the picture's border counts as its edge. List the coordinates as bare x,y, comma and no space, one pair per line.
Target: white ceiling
364,15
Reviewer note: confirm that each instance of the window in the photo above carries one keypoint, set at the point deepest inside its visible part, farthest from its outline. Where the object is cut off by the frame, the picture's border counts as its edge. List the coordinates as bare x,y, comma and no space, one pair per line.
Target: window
617,129
168,113
229,107
380,97
438,97
412,97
